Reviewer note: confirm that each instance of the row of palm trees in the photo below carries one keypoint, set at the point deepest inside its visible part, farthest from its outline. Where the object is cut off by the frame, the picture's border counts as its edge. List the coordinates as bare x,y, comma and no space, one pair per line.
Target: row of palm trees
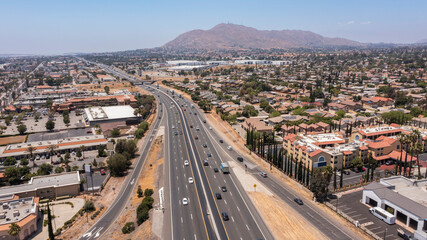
412,143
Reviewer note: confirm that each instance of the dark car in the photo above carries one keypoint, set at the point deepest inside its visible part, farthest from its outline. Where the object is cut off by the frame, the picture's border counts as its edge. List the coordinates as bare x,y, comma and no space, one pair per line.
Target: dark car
204,121
346,172
224,189
240,159
206,163
209,155
224,216
218,196
221,141
205,145
195,113
196,137
191,126
299,201
216,170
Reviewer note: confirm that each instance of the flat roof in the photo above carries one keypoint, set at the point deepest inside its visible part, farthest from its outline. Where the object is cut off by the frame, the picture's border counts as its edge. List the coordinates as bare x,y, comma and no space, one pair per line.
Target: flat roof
40,182
109,113
13,211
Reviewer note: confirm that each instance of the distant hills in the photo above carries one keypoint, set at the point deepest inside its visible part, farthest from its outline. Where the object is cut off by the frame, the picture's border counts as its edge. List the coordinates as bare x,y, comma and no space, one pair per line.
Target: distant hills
232,36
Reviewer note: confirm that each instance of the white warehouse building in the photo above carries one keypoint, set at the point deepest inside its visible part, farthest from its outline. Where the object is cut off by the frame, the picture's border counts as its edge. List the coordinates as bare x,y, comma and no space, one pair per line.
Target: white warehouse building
405,198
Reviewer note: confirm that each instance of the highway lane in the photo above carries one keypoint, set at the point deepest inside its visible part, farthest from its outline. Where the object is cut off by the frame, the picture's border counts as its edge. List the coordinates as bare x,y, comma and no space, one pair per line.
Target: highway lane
242,224
188,221
102,225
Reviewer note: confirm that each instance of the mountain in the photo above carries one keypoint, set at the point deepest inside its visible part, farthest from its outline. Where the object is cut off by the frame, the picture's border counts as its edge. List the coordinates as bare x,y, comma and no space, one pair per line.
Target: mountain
232,36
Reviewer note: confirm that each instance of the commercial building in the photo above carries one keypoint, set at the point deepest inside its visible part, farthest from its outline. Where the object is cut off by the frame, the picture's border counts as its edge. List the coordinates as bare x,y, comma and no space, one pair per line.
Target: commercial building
110,100
64,145
50,186
405,198
376,132
98,115
22,211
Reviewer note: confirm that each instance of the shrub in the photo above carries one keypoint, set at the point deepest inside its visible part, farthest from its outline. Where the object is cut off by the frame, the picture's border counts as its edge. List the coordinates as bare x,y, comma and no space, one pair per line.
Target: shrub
128,228
139,192
89,206
148,201
148,192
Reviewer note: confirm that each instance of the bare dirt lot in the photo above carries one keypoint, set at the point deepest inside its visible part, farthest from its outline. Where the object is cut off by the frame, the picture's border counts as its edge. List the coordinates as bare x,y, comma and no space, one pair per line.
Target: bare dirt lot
13,139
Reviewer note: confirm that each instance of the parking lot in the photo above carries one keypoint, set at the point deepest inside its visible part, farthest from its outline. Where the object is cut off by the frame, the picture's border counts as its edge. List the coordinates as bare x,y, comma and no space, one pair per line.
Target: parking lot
350,204
97,178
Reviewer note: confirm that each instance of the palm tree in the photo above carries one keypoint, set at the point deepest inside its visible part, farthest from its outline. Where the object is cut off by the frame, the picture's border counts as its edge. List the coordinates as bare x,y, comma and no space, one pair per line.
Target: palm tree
399,161
14,230
30,151
82,149
418,150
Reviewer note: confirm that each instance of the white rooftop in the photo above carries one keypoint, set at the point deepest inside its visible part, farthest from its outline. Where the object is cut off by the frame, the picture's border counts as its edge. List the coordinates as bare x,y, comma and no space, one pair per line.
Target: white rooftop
15,210
111,112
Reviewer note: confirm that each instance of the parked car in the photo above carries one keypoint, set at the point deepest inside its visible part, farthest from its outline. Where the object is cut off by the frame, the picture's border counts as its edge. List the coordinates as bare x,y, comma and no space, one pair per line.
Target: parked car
102,171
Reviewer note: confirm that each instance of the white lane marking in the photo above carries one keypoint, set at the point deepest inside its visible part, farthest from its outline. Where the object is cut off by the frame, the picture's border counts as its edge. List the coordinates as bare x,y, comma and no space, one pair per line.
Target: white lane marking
247,227
182,220
191,215
238,209
225,201
195,238
178,189
214,176
186,187
88,234
231,193
225,181
98,232
232,218
133,181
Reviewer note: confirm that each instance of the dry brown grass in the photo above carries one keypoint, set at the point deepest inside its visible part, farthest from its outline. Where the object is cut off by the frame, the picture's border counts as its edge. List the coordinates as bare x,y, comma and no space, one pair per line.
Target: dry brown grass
13,139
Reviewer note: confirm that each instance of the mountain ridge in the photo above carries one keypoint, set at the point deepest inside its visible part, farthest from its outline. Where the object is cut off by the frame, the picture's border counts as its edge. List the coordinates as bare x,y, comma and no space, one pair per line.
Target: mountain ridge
232,36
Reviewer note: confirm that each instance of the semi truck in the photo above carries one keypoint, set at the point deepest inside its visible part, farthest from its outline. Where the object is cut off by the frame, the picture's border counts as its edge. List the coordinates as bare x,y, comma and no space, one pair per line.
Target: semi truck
225,168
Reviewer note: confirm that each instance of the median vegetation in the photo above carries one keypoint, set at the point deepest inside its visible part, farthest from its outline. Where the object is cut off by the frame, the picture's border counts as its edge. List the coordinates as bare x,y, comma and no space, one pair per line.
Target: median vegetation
119,163
144,207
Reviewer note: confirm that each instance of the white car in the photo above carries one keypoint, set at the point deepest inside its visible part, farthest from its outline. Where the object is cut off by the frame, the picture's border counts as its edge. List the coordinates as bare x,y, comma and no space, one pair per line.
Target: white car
184,201
210,128
190,180
186,163
173,127
229,148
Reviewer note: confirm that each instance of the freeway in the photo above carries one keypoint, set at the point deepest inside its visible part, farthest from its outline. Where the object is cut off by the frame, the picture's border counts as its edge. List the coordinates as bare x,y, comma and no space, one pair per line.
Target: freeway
202,217
102,225
244,220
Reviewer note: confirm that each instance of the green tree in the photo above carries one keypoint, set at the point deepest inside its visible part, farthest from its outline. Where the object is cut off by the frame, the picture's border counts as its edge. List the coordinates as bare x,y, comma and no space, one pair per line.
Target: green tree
320,180
79,153
140,192
44,169
148,192
118,164
50,125
49,224
22,129
356,163
59,169
89,206
115,132
275,114
14,230
249,111
10,161
107,89
24,162
12,174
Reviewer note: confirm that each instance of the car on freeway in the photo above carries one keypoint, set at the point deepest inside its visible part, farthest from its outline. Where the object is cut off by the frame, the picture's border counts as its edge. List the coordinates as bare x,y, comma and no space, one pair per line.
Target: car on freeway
263,174
210,128
240,159
221,141
218,196
205,145
186,163
229,148
190,180
224,216
173,127
224,189
191,126
102,171
299,201
195,113
206,163
216,170
209,155
184,201
196,137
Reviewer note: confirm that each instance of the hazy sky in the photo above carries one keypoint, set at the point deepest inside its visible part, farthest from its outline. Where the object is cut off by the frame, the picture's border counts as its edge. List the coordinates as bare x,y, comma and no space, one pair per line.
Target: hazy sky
54,27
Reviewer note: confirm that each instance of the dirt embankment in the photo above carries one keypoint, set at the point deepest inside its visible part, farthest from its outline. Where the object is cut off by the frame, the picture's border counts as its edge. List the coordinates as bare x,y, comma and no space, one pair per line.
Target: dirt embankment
150,178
